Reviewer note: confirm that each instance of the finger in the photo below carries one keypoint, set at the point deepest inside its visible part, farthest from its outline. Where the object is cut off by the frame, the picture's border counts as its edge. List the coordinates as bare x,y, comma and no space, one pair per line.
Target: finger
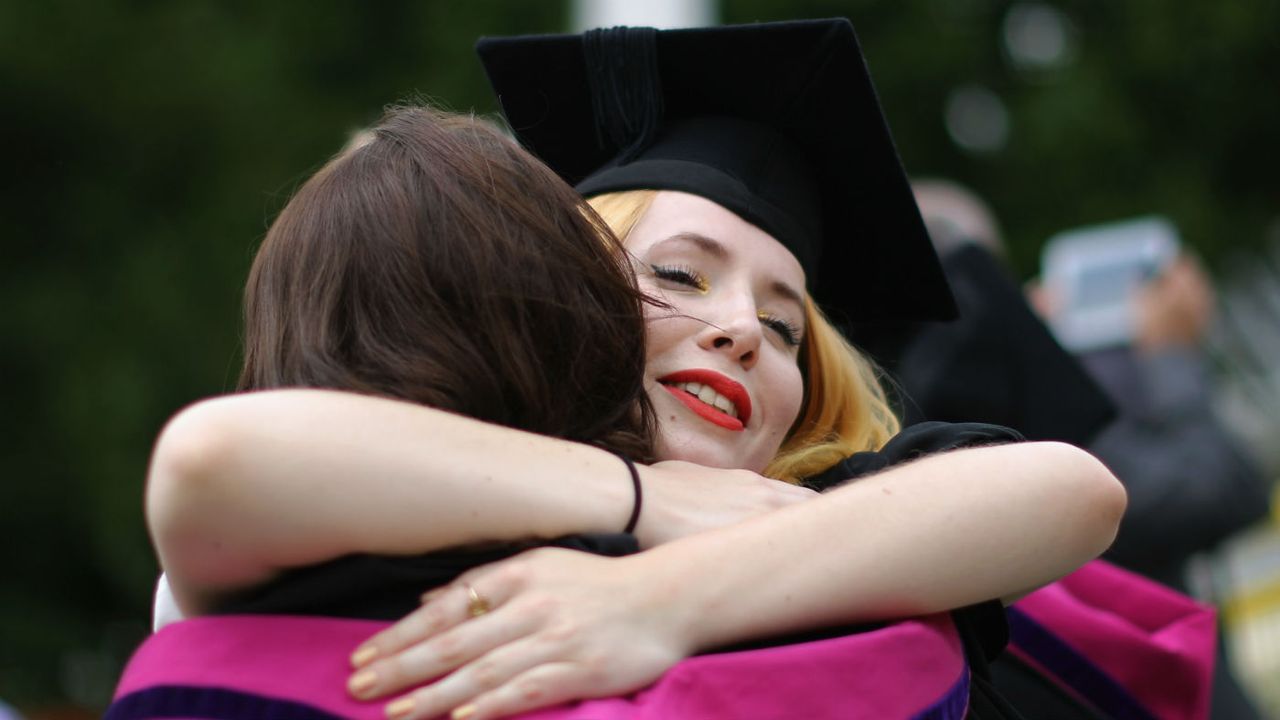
478,678
442,654
539,687
439,614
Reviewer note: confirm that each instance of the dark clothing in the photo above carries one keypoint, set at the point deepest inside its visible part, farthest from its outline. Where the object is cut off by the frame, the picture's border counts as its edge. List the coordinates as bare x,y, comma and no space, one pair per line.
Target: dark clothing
913,442
997,363
375,587
1190,485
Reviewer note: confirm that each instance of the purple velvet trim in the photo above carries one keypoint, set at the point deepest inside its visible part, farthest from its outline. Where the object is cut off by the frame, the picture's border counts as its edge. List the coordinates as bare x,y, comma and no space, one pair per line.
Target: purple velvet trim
953,704
1073,669
208,703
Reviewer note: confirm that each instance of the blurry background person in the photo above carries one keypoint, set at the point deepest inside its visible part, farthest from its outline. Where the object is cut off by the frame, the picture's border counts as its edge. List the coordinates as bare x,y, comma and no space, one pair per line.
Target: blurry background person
997,362
1191,485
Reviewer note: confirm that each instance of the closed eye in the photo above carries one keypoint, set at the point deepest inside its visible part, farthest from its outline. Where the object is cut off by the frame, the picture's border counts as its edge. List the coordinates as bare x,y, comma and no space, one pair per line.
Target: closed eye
681,275
785,329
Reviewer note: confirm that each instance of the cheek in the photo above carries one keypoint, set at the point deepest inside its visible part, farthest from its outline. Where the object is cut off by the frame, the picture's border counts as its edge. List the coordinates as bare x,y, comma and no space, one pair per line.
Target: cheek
789,394
665,329
657,335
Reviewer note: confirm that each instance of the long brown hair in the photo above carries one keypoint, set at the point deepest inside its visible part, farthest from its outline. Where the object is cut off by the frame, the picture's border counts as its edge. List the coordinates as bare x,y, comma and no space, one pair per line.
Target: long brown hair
435,261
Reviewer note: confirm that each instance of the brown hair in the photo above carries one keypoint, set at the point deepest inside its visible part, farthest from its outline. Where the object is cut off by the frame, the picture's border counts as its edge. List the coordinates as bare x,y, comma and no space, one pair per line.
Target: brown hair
435,261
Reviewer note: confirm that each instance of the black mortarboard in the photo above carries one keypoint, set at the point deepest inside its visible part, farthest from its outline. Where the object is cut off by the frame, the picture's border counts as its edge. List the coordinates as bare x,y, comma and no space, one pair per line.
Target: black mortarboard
998,363
777,122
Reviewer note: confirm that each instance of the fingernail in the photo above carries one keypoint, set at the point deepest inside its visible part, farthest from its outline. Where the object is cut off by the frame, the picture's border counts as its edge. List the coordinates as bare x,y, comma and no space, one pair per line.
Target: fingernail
400,708
430,595
361,682
363,656
464,712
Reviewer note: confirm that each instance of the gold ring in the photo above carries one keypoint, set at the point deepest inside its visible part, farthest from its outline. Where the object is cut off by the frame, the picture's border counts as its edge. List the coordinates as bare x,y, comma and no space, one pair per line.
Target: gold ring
477,604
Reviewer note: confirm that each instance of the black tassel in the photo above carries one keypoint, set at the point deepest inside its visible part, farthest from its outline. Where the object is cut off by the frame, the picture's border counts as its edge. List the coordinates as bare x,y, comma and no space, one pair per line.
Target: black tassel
626,89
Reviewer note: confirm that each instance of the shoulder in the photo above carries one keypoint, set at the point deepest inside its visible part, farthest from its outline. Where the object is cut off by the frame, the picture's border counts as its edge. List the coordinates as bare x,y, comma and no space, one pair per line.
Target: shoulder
913,442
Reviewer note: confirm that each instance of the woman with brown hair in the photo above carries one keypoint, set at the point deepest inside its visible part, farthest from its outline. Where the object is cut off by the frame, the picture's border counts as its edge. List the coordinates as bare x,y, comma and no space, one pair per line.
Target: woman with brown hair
313,501
432,262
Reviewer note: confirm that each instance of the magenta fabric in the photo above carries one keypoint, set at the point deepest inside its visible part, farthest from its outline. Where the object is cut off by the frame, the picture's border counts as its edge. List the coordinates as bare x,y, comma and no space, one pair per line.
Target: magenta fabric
1155,643
909,669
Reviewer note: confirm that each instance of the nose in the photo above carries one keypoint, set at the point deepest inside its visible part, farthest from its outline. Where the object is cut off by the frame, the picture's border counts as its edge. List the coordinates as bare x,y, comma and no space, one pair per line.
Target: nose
738,334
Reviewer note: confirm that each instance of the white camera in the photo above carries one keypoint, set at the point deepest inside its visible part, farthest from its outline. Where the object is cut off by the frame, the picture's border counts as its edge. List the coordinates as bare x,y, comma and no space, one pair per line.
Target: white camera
1094,273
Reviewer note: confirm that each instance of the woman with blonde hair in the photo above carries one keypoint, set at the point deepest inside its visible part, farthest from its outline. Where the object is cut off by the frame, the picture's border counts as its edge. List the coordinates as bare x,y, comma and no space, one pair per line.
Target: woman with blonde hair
314,501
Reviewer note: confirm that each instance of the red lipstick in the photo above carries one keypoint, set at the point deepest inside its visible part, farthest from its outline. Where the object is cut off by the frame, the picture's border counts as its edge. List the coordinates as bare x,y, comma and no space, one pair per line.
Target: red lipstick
723,385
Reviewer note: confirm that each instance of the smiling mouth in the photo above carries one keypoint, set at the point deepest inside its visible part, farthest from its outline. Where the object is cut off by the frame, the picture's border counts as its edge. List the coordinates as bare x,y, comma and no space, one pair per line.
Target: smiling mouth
708,395
711,396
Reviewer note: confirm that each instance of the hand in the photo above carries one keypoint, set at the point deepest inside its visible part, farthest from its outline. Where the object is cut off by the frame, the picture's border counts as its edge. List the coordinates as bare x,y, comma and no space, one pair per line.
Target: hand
562,625
1175,308
682,499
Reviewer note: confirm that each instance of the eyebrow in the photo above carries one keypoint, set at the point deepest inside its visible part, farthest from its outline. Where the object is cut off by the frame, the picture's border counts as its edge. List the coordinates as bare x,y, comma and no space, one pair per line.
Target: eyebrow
716,249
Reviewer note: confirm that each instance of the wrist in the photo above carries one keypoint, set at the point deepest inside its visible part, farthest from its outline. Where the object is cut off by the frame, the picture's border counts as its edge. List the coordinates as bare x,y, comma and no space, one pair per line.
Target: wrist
637,494
692,589
650,522
669,593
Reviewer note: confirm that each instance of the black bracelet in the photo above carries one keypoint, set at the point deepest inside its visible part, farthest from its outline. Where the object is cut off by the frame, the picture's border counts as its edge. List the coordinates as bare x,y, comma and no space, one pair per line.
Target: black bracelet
635,483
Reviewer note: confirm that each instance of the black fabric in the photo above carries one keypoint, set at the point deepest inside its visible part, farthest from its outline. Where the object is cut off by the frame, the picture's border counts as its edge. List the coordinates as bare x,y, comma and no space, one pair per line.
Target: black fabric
984,630
692,156
997,363
780,120
1025,687
913,442
377,587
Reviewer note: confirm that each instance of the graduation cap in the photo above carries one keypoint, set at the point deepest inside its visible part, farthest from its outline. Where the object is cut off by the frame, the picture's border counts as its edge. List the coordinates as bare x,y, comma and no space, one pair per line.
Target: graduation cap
997,364
777,122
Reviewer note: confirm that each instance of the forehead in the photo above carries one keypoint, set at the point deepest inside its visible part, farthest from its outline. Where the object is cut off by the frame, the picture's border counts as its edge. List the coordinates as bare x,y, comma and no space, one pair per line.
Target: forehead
675,218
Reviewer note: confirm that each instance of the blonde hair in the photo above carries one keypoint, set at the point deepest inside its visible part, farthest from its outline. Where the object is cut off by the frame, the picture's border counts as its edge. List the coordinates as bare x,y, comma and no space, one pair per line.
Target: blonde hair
844,410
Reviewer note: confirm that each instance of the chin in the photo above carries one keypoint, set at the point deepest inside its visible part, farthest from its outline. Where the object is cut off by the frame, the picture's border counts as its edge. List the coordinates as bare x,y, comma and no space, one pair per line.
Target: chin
707,452
698,451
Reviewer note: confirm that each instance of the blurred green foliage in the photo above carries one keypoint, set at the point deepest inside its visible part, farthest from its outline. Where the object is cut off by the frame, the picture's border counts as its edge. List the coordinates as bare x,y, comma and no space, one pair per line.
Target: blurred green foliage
1164,108
150,143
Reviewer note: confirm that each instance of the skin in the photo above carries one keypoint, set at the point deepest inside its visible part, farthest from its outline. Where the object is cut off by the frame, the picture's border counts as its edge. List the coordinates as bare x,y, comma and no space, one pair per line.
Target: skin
243,487
736,310
1175,308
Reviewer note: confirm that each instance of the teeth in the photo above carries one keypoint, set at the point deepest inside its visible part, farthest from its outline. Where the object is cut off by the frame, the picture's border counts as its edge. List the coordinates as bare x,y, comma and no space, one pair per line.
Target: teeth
710,397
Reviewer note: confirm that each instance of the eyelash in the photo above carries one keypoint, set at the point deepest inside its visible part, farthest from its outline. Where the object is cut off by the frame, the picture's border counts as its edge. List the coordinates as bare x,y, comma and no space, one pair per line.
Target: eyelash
786,329
682,274
686,275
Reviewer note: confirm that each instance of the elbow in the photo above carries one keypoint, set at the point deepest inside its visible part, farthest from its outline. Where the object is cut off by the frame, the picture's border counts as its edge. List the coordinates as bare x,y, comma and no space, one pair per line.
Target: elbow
1096,497
182,478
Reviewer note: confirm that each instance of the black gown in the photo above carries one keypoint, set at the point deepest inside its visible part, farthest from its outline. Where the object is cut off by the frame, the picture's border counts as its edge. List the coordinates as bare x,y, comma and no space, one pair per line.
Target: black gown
388,588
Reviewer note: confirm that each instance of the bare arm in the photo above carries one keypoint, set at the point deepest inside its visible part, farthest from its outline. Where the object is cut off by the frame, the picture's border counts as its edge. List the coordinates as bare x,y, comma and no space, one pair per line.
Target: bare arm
936,534
245,486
